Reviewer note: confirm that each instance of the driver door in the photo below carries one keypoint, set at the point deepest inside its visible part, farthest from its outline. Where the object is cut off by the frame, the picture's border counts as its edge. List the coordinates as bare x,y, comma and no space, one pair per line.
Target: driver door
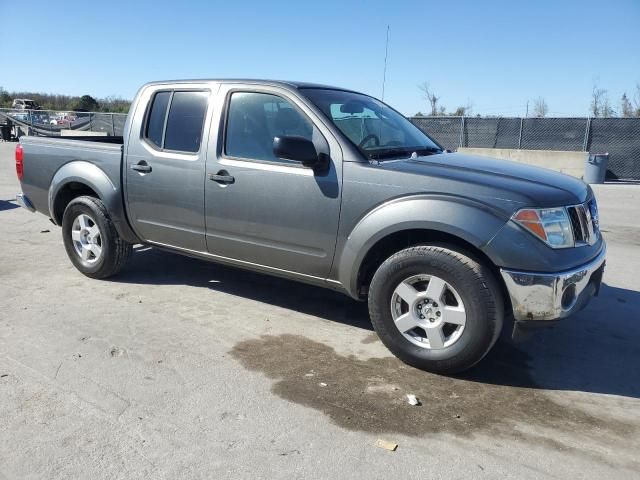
270,212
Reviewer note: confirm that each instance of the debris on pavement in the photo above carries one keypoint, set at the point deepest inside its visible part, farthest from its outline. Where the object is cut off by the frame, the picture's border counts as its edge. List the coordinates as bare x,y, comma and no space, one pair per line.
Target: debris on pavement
413,400
290,452
116,352
45,231
322,384
386,445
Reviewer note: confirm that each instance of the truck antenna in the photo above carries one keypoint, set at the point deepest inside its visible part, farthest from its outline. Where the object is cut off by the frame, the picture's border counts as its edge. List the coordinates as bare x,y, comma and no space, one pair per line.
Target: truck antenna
384,72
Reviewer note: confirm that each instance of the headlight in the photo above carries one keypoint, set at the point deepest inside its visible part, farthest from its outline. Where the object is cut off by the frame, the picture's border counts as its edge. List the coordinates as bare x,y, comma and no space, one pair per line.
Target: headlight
551,225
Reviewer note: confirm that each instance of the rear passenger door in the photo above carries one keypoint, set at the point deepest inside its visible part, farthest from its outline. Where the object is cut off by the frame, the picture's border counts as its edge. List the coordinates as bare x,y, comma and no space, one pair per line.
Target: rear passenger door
263,210
165,166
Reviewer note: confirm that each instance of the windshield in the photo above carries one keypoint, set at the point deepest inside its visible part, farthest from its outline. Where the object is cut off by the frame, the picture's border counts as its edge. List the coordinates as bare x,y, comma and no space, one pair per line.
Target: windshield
378,131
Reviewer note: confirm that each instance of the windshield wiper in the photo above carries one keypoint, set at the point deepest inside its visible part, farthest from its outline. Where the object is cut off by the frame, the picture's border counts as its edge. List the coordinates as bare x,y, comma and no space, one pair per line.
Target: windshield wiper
389,153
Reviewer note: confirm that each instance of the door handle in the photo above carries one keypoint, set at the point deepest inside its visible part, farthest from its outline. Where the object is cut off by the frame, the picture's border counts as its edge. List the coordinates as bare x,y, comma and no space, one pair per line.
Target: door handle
222,177
141,167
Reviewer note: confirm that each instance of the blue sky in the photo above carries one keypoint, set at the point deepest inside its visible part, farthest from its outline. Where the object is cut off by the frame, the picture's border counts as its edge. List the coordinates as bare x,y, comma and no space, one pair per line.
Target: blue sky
495,54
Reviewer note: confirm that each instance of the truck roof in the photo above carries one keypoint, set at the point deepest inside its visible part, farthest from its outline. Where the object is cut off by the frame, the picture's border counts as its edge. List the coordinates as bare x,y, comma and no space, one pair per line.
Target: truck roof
255,81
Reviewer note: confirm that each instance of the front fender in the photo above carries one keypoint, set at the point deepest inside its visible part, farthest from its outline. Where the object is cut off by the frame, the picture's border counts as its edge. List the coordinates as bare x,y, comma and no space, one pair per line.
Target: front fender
95,178
467,219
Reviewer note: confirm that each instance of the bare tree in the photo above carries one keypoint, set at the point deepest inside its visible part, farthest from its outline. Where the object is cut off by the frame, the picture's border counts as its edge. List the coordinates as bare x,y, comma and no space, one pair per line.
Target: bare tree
636,100
468,108
626,109
430,97
598,98
607,108
463,110
540,107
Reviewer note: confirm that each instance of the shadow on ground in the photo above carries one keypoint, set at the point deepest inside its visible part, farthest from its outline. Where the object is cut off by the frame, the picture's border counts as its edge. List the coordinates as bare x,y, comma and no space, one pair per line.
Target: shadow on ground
155,267
595,351
8,205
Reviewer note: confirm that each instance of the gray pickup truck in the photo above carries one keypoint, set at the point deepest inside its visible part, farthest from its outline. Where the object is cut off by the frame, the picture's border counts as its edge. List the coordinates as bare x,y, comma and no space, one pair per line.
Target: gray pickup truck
334,188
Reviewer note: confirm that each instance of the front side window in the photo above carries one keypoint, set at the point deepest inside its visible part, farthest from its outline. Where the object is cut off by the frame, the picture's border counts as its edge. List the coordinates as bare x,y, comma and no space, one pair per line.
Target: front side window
181,129
378,131
254,119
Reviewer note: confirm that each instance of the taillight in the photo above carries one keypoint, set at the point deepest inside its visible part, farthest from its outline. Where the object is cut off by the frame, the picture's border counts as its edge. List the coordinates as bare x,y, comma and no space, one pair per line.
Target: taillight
19,162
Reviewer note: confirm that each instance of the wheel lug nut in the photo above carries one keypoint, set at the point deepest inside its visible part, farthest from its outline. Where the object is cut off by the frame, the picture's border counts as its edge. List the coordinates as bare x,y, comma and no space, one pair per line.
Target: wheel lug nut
432,320
419,307
421,316
438,314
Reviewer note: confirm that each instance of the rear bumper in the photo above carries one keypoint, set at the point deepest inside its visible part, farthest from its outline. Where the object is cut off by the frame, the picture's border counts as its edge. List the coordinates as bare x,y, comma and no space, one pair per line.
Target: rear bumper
24,202
550,296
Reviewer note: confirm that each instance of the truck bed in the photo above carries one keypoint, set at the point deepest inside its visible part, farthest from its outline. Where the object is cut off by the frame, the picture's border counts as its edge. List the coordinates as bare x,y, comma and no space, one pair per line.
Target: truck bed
45,156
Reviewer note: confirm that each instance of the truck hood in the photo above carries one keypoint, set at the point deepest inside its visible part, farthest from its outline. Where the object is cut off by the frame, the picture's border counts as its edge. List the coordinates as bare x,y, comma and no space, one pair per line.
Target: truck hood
502,183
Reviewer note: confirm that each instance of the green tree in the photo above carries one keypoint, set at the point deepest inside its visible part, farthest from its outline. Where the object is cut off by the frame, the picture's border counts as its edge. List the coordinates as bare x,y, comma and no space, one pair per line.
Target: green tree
5,98
88,103
114,104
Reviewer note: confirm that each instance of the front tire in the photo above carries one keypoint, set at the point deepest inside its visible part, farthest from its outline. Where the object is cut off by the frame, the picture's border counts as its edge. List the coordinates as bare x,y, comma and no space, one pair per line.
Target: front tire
91,240
436,308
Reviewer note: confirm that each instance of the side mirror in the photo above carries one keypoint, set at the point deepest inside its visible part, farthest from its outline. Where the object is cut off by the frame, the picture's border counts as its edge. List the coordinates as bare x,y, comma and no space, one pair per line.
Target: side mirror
298,149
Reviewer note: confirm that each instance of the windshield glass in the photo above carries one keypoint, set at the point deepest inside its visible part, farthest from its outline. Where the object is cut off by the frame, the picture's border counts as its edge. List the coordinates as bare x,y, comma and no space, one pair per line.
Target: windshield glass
377,130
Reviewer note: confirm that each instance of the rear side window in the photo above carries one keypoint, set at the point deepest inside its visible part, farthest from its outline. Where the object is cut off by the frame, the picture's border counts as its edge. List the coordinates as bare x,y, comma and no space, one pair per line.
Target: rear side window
180,129
157,115
185,121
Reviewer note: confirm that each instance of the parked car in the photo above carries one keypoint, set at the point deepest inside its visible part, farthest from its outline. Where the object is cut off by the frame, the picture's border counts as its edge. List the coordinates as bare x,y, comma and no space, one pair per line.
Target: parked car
24,104
333,188
62,118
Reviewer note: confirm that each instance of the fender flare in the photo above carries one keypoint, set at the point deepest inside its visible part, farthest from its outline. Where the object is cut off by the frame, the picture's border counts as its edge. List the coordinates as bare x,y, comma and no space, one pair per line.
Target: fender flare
468,219
94,177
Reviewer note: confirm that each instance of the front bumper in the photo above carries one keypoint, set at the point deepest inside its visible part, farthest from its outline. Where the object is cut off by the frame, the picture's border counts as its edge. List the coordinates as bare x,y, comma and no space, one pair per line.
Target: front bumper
550,296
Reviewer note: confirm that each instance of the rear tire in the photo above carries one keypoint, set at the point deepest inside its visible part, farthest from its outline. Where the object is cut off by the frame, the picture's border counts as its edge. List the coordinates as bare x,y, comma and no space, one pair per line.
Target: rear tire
91,239
436,308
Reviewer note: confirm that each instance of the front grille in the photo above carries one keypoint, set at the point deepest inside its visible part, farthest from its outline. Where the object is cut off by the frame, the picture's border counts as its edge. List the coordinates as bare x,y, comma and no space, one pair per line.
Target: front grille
584,222
576,224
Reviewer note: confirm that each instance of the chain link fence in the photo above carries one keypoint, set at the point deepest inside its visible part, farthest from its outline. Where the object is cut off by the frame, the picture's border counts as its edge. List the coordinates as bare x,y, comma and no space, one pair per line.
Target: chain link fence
52,122
620,137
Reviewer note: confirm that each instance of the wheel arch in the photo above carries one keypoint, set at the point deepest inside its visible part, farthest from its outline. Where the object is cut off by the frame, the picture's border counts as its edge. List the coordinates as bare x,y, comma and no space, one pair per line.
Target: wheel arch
461,223
402,239
78,178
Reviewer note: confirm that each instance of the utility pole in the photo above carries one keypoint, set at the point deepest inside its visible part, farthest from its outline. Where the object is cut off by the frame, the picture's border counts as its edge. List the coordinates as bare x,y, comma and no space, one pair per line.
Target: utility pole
526,115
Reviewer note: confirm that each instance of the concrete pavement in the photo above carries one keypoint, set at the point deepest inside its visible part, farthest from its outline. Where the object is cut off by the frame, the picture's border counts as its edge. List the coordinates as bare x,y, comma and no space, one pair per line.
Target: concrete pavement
182,369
